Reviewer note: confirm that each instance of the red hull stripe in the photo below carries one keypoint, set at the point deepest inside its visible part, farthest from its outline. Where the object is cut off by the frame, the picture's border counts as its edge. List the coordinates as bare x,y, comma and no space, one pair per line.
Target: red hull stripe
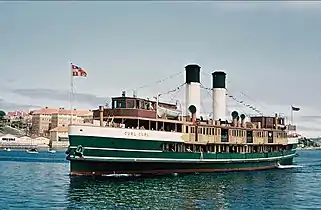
180,171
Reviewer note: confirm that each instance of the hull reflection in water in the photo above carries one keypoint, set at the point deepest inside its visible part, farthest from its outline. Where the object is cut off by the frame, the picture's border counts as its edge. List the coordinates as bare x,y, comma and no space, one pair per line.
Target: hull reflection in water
217,191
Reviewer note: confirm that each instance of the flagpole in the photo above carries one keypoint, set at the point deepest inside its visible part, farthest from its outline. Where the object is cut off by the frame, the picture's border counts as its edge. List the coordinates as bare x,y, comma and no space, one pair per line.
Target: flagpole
291,114
71,92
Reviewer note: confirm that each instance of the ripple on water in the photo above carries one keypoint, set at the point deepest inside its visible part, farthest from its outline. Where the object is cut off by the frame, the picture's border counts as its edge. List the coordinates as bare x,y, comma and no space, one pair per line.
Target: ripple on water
46,185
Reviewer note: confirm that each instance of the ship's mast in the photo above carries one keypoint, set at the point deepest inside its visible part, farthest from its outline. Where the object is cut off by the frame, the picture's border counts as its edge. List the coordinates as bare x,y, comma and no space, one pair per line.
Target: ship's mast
71,92
157,101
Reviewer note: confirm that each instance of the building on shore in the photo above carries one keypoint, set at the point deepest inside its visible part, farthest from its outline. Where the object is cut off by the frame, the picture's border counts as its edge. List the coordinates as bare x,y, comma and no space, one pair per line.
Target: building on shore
59,133
9,140
17,115
59,137
41,120
46,119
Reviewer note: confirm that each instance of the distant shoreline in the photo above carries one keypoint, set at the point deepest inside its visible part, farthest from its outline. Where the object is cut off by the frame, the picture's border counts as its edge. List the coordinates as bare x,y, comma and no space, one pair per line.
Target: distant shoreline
2,147
39,149
308,148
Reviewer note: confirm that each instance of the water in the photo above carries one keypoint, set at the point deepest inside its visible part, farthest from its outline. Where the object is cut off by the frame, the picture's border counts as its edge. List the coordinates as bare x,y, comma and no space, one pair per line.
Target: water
41,181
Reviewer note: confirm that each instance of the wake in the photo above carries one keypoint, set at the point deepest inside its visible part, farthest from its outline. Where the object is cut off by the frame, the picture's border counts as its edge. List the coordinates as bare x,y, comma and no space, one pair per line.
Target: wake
289,166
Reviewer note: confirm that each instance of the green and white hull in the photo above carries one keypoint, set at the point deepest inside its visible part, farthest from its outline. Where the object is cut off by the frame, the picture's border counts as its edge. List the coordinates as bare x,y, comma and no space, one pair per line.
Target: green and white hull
104,150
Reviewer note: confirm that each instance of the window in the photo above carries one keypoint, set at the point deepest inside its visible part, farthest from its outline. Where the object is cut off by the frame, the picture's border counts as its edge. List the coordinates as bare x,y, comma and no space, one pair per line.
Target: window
130,104
115,104
199,130
8,139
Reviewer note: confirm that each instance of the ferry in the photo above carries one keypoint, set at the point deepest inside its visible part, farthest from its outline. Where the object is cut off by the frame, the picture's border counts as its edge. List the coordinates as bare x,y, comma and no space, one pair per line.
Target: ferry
147,137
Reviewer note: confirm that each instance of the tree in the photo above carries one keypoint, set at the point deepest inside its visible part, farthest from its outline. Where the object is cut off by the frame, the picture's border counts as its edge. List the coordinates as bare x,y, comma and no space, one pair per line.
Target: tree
2,114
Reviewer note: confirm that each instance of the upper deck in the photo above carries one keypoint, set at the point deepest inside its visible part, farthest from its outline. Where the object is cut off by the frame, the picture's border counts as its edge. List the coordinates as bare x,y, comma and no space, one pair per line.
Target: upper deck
133,107
139,113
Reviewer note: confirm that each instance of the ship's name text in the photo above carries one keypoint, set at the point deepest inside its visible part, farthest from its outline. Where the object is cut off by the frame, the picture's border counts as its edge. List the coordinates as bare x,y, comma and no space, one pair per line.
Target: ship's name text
131,133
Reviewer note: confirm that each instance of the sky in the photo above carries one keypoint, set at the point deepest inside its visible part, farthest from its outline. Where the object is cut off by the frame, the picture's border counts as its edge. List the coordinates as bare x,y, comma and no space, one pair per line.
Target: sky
270,52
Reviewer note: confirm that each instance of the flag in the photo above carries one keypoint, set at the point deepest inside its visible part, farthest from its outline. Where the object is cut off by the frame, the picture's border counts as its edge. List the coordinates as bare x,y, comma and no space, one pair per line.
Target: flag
295,108
77,71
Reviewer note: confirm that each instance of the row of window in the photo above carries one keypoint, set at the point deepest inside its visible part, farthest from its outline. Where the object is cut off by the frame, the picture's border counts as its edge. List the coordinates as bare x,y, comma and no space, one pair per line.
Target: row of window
223,148
234,132
204,131
264,134
239,133
281,135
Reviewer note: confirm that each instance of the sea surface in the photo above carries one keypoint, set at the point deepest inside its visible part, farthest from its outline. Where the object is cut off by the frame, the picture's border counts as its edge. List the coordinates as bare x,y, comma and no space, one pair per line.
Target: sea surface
41,181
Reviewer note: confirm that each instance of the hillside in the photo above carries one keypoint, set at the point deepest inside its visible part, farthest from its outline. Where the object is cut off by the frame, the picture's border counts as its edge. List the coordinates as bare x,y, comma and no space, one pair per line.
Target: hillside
5,129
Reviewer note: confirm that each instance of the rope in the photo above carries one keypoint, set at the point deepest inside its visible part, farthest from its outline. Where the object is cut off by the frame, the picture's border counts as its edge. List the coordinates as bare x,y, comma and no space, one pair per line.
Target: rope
246,105
173,90
157,82
177,89
241,101
232,97
207,114
208,92
175,94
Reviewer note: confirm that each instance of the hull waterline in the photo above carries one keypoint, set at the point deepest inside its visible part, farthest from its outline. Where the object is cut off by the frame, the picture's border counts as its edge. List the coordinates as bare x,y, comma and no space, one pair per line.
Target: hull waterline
99,168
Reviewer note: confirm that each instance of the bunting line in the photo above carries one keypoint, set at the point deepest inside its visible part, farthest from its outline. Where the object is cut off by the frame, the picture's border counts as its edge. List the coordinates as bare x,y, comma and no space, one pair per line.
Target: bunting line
156,82
239,101
178,88
173,90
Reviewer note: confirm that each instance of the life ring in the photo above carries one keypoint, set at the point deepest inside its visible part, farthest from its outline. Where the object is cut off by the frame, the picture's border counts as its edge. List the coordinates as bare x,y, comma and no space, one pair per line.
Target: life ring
79,150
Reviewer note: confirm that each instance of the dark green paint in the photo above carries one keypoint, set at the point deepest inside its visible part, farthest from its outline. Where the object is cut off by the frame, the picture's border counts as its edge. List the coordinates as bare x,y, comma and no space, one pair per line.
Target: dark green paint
139,167
192,73
136,144
180,155
115,143
219,78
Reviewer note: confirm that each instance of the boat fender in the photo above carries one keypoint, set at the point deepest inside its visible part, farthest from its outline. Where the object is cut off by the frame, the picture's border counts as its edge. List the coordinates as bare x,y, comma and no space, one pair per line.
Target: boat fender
79,150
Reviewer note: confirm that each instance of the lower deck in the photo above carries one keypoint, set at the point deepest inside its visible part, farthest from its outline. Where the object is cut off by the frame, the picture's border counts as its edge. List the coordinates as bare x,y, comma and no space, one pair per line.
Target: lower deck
96,146
104,155
119,155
